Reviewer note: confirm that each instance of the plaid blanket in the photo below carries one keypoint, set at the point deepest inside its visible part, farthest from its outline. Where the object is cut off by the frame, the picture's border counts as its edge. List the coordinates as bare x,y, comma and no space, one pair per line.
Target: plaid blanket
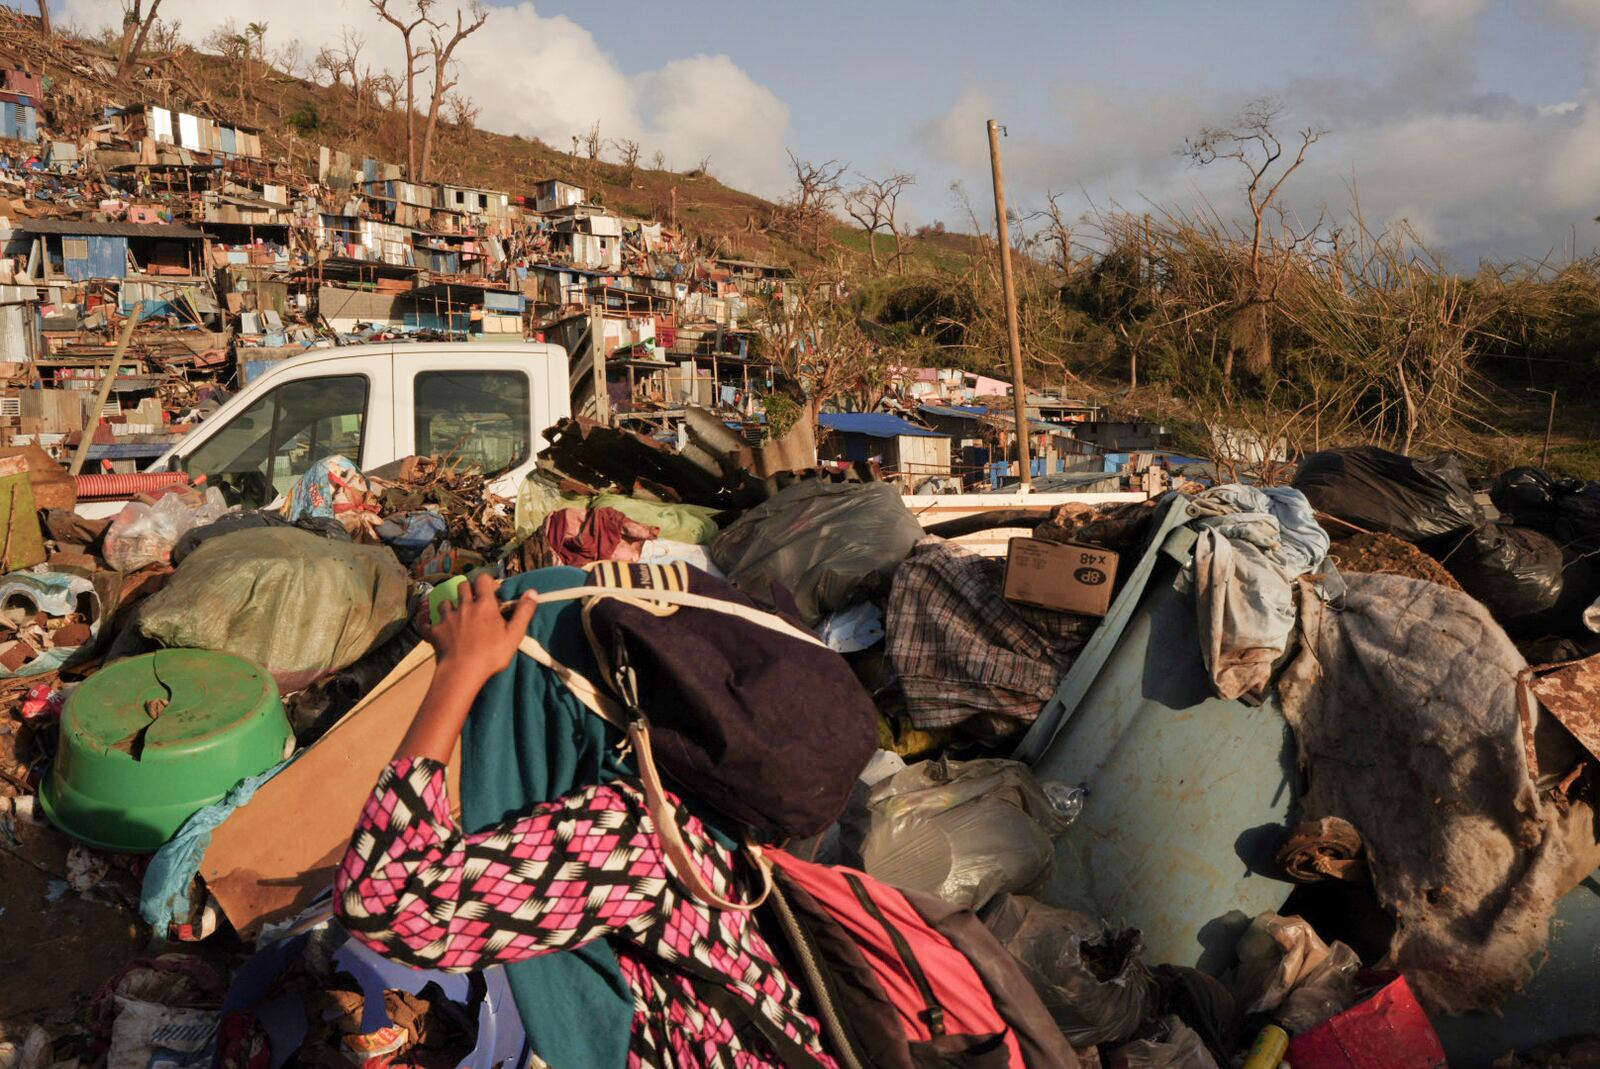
967,656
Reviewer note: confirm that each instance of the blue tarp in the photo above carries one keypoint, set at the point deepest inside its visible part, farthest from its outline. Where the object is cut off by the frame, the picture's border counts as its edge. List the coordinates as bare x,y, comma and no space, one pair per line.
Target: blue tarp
875,425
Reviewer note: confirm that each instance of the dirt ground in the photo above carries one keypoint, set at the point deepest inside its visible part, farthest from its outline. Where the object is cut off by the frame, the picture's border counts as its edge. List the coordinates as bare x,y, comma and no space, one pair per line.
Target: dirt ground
54,954
1388,555
56,946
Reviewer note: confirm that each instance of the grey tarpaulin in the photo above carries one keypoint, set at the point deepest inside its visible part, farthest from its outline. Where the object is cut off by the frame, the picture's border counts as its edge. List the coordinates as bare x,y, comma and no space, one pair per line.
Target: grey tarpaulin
1254,544
829,544
1404,704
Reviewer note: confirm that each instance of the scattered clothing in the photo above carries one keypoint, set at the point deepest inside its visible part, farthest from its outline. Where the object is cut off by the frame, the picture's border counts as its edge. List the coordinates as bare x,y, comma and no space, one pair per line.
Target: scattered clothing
590,866
967,656
578,536
1254,544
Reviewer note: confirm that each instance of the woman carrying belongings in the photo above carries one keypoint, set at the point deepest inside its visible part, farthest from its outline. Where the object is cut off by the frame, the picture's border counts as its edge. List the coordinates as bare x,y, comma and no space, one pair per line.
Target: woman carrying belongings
638,929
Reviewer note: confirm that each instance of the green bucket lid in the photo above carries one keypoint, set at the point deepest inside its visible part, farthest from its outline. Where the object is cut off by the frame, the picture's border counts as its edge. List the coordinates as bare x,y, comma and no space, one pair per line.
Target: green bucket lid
147,741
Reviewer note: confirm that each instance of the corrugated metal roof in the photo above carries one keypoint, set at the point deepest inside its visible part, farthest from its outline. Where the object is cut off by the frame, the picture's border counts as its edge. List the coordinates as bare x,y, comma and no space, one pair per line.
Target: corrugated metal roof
93,228
980,411
956,411
875,425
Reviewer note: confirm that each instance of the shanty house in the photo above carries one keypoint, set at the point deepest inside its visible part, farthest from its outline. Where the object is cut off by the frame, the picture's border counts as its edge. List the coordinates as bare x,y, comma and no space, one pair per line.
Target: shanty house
900,447
194,132
551,194
465,200
592,241
81,249
21,95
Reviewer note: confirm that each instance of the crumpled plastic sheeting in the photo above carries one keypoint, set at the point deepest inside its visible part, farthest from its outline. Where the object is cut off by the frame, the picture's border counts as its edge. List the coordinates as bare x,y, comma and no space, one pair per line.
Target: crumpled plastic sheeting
963,831
1285,969
1178,1047
164,894
1254,544
1404,705
55,594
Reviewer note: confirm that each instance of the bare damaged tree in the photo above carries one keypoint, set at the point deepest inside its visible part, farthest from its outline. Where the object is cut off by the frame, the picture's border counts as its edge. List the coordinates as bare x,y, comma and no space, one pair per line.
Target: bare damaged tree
44,18
463,111
1057,232
342,60
873,205
816,187
384,89
627,155
593,142
658,161
1254,145
166,38
136,23
443,81
815,341
408,28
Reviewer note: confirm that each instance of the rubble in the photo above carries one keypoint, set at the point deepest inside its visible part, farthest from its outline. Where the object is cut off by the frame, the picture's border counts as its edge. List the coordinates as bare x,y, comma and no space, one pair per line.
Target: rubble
1283,697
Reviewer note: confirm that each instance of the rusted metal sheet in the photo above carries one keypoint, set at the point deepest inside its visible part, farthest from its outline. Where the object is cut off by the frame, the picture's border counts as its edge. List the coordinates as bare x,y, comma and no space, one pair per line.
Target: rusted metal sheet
1571,692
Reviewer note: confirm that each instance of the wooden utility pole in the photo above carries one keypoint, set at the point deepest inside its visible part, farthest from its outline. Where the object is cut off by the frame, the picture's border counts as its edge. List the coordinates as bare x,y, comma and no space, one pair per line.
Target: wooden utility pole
1019,391
105,390
44,17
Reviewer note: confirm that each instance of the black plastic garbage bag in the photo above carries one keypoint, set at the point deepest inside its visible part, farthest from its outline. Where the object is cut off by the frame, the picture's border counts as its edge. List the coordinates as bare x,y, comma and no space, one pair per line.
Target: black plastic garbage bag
1523,492
1568,510
1088,974
1426,501
830,545
1515,571
194,537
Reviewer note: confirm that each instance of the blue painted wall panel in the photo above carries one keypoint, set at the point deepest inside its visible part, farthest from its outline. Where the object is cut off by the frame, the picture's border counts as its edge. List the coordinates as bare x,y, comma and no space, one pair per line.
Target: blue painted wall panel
108,258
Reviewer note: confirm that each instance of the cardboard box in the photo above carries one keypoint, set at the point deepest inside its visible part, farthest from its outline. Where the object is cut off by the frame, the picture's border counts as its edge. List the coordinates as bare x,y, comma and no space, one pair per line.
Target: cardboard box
1060,575
278,852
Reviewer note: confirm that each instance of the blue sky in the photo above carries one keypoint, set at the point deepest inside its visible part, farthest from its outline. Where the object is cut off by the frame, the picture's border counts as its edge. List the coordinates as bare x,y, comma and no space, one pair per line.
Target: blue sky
1476,121
863,82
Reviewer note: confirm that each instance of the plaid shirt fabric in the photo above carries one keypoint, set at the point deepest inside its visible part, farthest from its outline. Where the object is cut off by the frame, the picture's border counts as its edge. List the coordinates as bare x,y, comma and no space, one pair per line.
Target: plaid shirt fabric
963,653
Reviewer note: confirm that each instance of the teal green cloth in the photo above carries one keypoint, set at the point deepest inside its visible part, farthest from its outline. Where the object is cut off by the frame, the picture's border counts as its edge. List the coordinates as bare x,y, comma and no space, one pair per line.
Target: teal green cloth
528,741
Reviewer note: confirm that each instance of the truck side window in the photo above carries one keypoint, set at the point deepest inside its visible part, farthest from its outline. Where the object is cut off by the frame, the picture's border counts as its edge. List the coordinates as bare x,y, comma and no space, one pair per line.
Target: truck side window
260,453
479,418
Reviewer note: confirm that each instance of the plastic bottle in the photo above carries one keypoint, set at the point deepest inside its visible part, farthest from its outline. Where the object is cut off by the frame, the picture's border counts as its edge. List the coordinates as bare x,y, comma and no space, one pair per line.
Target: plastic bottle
1267,1052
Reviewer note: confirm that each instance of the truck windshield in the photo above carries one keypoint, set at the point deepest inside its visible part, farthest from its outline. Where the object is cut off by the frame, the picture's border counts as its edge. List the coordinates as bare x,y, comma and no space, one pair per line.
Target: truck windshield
475,417
260,452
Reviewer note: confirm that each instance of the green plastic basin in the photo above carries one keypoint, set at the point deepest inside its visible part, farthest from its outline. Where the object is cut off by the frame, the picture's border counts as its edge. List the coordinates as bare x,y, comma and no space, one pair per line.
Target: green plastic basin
125,779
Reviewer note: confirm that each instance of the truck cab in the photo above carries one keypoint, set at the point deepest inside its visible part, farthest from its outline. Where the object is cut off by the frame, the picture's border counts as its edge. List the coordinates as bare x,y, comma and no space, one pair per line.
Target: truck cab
483,404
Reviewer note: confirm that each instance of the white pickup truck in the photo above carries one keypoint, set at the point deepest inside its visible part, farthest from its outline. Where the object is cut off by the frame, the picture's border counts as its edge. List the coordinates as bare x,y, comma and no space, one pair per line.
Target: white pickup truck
486,403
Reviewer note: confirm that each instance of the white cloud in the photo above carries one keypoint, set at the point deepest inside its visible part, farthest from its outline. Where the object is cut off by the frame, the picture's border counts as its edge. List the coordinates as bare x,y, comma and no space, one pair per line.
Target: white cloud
544,76
1474,174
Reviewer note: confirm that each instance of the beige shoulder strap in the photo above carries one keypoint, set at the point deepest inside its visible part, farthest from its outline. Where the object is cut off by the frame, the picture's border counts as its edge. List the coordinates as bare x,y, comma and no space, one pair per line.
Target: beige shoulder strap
685,598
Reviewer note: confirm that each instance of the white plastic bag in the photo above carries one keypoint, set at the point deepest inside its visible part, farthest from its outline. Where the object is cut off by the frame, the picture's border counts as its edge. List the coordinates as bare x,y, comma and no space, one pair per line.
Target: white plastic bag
964,831
147,1035
142,534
